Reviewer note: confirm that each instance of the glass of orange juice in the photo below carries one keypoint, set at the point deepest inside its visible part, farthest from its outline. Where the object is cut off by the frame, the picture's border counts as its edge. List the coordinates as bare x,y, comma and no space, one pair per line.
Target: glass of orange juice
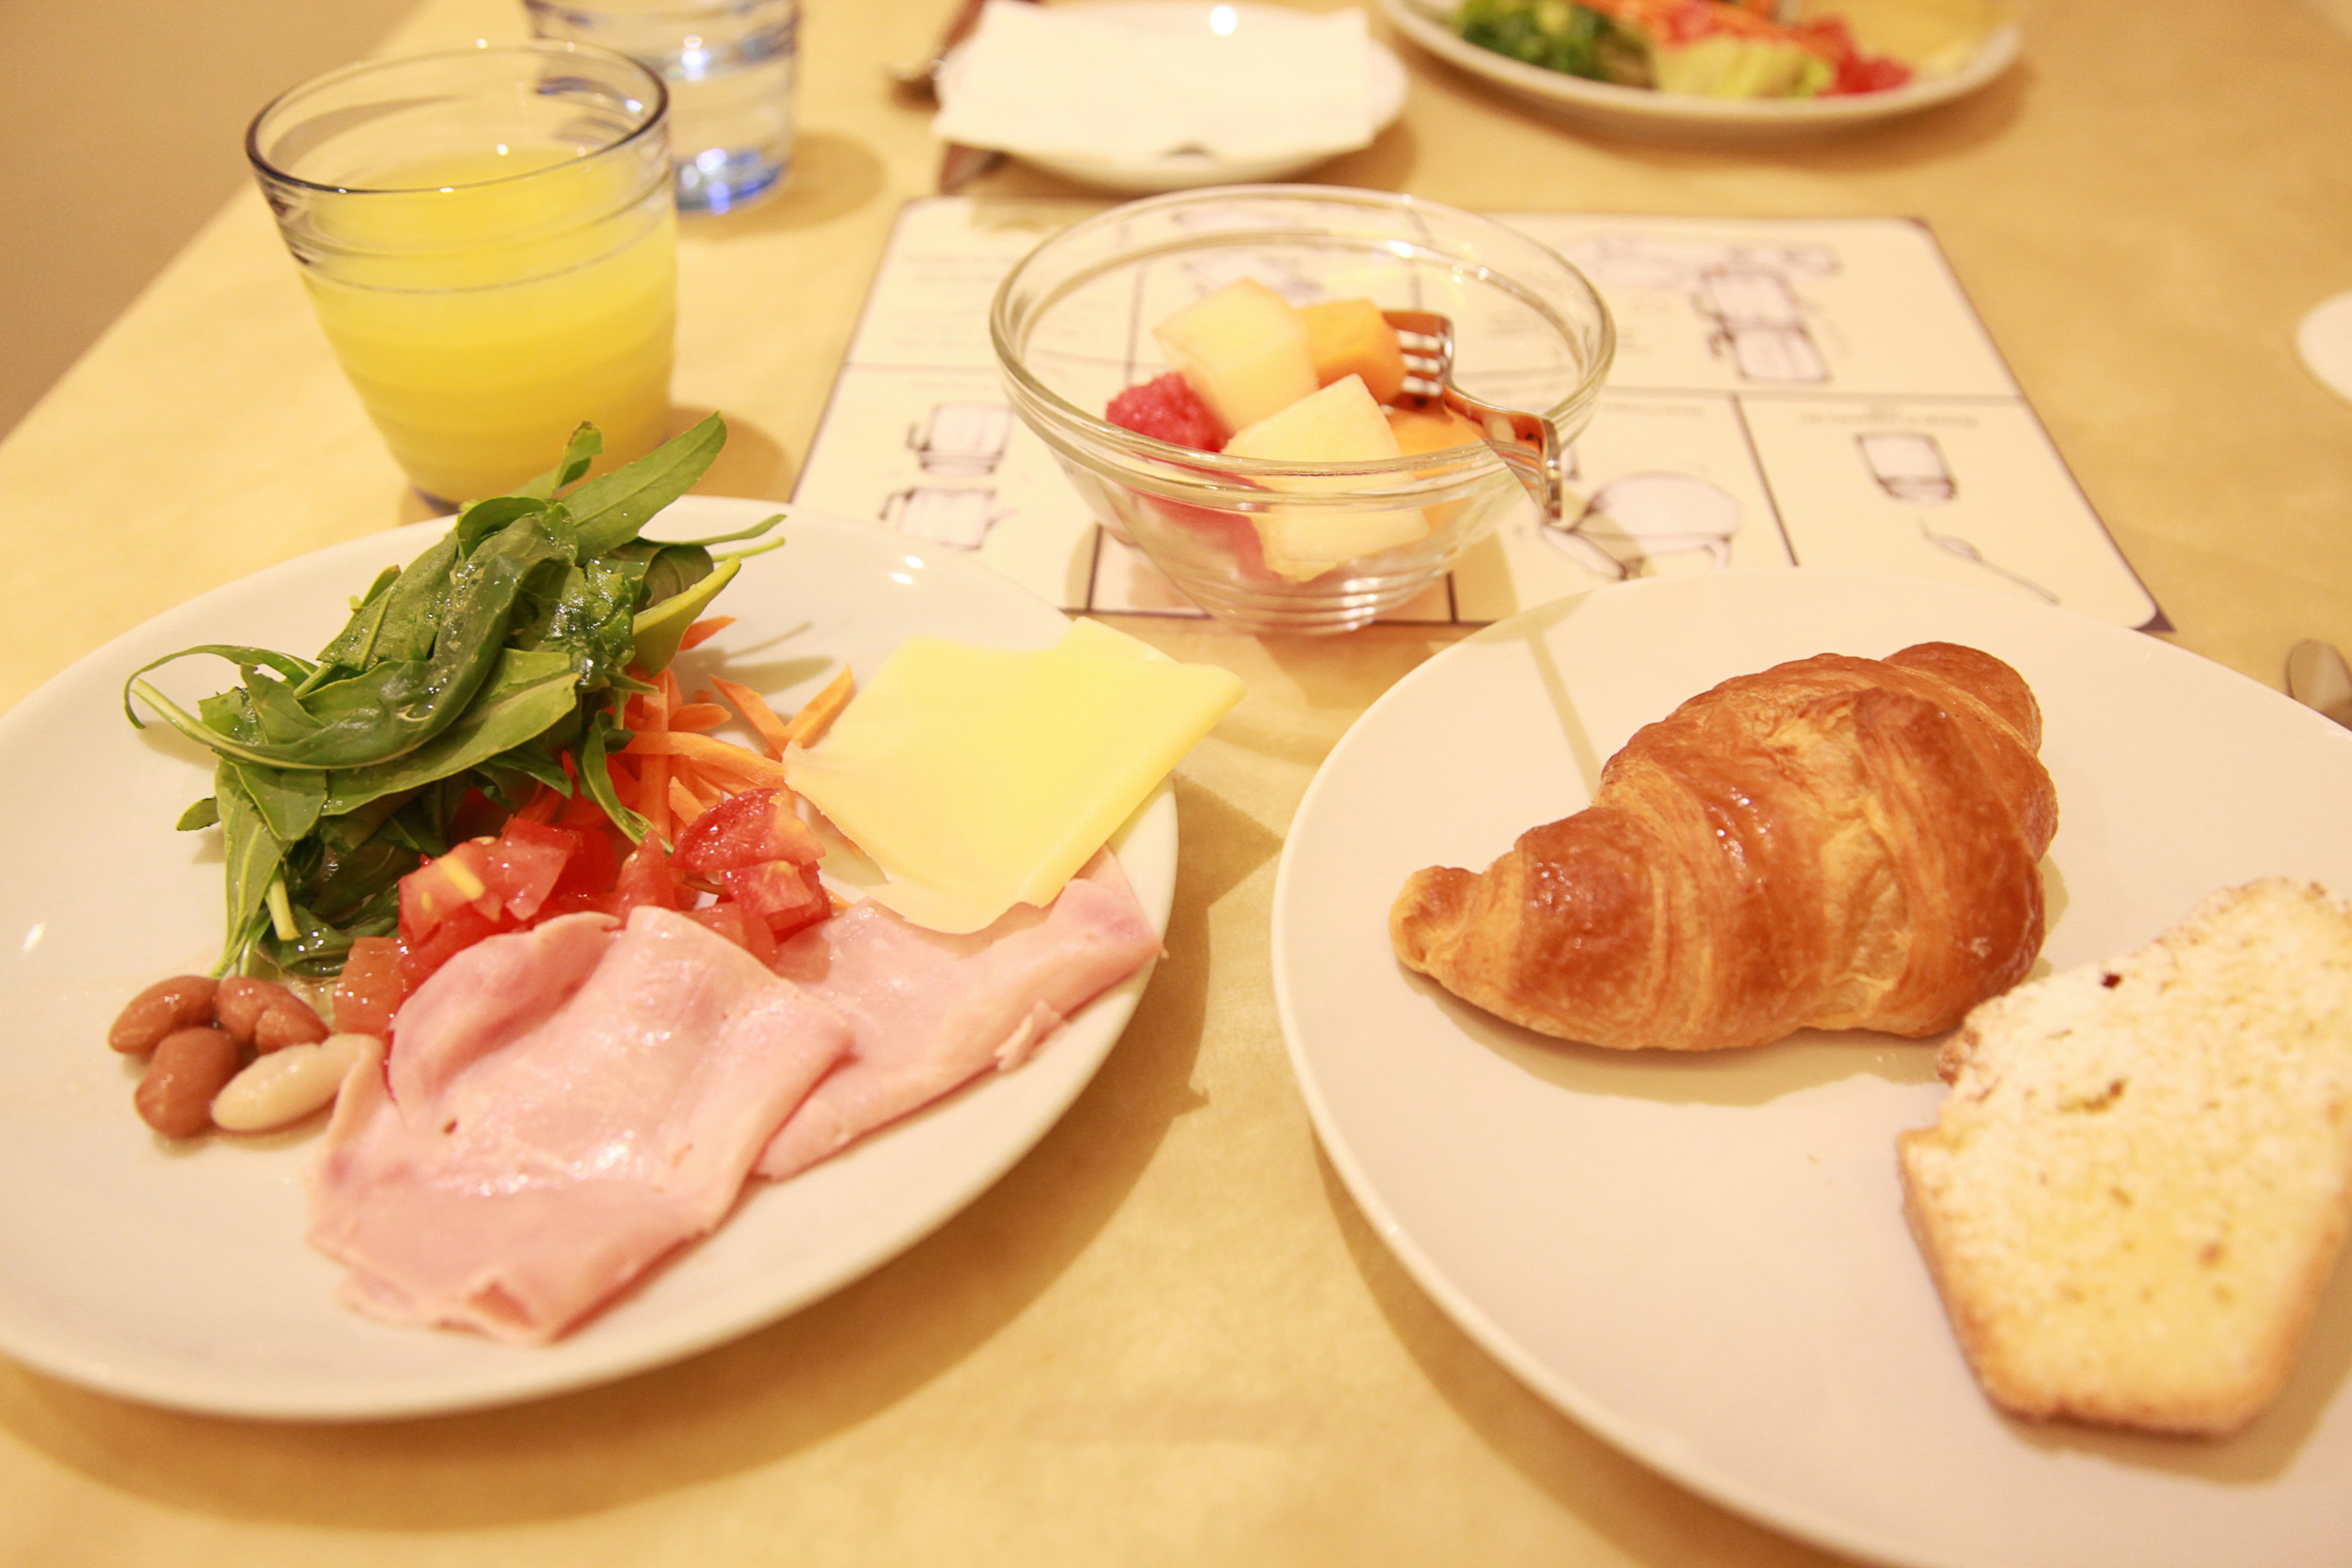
490,238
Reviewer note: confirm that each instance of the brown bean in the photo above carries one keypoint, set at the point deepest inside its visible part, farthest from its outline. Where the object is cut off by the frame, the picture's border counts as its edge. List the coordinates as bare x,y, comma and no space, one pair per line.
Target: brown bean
181,1002
241,1001
191,1066
283,1026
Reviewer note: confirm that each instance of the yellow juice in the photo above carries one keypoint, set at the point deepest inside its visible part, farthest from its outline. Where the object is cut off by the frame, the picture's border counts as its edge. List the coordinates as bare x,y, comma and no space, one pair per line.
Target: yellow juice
484,306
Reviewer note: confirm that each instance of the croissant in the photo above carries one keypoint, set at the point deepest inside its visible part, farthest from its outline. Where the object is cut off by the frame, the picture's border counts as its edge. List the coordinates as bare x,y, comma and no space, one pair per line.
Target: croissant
1835,842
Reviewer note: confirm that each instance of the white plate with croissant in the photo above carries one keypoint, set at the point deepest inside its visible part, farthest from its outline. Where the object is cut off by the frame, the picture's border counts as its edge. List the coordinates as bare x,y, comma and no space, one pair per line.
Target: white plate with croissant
1702,1254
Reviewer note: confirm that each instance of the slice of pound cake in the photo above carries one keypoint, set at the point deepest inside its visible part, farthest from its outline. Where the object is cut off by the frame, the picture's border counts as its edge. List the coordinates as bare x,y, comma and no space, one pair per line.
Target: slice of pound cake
2142,1176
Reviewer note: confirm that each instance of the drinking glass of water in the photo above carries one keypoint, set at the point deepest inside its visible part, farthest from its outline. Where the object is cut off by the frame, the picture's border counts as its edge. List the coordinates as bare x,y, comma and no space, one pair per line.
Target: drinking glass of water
729,66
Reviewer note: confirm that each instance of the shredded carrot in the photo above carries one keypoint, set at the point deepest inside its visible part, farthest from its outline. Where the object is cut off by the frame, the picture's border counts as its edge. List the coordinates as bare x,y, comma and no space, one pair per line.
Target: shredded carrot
819,711
758,714
702,631
653,793
683,807
699,717
711,756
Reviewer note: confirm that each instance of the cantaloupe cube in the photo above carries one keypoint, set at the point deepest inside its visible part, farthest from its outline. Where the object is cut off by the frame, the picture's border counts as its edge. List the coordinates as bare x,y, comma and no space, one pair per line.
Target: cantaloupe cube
1244,349
1430,429
1435,429
1340,424
1349,337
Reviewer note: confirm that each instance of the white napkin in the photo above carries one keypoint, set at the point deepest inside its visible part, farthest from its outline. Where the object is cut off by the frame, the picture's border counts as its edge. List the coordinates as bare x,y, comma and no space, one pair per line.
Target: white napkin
1082,81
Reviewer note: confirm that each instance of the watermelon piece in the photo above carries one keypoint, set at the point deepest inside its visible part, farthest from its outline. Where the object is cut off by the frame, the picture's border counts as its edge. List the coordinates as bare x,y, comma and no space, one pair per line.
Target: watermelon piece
1168,409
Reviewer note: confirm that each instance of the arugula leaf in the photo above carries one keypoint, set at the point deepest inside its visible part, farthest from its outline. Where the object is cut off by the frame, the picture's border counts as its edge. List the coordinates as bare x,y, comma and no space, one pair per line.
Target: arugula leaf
497,661
253,855
528,693
603,734
585,445
289,799
659,631
608,511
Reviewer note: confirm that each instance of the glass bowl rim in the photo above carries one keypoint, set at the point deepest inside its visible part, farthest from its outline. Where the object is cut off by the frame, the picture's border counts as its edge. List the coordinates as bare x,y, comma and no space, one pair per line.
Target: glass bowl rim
1136,446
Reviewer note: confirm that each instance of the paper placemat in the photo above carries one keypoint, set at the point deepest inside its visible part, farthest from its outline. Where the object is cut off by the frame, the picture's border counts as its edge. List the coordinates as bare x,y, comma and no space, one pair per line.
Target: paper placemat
1786,393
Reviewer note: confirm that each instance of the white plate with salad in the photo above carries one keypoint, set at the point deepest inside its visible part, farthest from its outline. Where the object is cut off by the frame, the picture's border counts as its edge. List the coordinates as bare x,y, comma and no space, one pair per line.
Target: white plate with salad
1952,47
178,1273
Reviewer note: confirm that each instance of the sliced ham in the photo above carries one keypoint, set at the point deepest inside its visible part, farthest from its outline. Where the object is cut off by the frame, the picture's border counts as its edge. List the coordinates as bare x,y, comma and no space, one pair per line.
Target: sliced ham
931,1012
565,1107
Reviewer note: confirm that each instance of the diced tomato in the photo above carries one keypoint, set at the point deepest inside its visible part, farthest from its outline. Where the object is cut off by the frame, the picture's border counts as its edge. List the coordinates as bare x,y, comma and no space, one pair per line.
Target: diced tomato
582,812
727,920
773,890
1871,73
723,918
527,862
1829,38
759,939
747,829
561,904
477,816
646,877
1690,21
370,990
457,931
592,868
436,891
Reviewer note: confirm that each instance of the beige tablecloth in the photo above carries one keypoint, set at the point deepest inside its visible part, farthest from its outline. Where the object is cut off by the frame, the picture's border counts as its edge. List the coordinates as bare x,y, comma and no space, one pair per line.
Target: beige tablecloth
1168,1336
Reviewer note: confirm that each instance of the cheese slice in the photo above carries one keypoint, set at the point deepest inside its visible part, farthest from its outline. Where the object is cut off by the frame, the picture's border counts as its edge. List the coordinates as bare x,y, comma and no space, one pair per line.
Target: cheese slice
982,778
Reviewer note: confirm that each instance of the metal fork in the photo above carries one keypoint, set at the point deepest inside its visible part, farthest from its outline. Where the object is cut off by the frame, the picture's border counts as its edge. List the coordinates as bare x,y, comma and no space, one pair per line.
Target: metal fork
1526,442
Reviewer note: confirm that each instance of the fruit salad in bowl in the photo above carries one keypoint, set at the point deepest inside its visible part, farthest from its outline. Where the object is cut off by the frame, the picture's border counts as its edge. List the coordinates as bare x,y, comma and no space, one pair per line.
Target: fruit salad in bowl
1215,374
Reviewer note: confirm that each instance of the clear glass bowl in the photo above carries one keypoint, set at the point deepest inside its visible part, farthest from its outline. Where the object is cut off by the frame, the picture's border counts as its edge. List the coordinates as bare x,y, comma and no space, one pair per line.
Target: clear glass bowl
1071,326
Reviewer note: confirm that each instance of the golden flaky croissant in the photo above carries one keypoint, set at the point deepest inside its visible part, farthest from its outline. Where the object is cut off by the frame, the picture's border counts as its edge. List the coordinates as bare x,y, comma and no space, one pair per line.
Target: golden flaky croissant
1835,842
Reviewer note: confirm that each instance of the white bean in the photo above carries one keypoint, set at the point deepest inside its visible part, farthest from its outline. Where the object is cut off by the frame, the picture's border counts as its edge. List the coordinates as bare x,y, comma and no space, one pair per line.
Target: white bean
288,1085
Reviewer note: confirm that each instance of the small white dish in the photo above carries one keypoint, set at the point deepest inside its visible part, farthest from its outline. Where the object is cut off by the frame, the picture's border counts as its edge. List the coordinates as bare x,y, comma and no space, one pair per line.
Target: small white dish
1187,170
2324,340
1703,1257
178,1274
1641,112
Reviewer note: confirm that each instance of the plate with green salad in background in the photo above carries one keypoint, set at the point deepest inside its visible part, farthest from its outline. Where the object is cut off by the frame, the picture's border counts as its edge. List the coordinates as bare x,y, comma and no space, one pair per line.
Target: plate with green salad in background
1719,68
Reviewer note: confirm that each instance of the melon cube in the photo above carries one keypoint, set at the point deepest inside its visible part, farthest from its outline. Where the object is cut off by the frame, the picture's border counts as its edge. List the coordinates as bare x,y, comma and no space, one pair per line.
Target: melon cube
1430,429
1244,349
1351,337
1340,424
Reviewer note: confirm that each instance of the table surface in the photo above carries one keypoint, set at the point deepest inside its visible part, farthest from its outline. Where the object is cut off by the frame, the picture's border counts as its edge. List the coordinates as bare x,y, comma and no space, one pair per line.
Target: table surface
1168,1336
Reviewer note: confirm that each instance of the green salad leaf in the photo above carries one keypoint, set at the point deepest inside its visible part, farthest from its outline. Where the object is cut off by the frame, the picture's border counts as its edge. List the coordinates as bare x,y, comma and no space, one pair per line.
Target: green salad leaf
1557,35
506,646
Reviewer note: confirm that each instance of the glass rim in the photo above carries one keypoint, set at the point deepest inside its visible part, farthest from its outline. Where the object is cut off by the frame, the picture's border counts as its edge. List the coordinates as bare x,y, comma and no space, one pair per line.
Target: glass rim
1136,448
657,112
